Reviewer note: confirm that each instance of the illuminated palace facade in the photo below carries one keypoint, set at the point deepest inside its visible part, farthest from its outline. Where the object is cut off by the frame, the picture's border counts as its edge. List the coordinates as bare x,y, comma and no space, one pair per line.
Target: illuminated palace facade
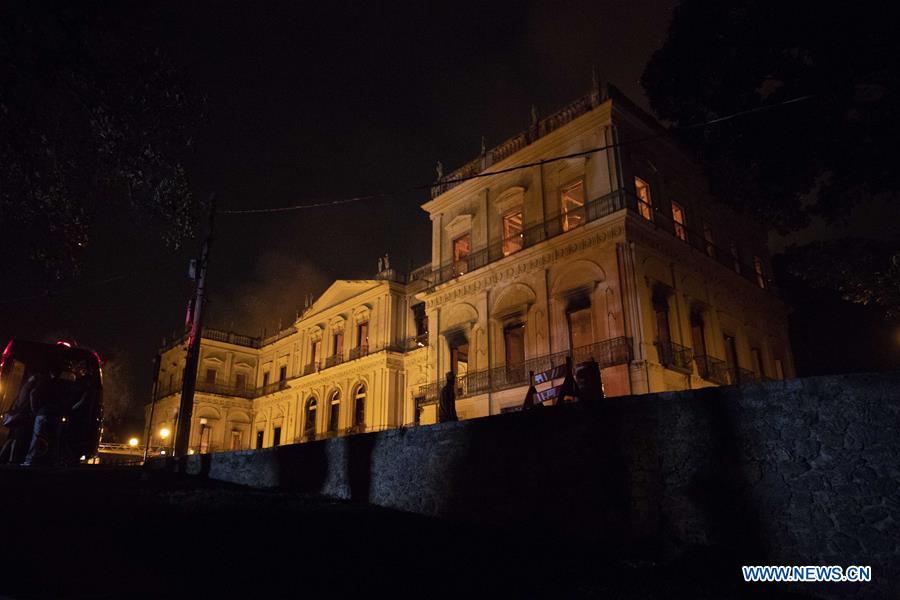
618,254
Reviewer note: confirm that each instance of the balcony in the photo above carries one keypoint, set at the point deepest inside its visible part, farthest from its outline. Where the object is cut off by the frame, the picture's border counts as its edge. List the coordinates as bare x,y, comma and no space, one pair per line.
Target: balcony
221,389
311,368
358,352
674,356
533,234
737,376
537,130
712,369
334,360
608,353
417,341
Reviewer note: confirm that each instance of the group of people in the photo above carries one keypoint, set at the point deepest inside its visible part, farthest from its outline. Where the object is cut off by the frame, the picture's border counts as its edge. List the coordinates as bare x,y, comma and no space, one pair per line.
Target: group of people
585,382
50,416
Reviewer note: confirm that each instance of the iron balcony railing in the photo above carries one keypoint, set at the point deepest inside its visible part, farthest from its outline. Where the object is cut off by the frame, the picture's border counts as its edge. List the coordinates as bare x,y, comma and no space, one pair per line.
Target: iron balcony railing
712,369
229,338
532,235
358,352
674,356
592,210
334,360
417,341
221,389
537,130
608,353
738,375
311,368
700,241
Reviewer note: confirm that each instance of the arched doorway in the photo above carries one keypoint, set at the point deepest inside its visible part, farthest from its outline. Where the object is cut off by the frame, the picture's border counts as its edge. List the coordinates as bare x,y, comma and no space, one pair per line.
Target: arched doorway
309,425
334,412
359,408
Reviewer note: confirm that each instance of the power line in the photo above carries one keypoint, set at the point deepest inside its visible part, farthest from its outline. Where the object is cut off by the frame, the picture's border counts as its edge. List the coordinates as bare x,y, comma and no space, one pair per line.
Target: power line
347,200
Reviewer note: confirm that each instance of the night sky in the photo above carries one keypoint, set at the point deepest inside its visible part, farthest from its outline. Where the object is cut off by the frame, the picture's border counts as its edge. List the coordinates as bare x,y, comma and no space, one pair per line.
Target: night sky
320,102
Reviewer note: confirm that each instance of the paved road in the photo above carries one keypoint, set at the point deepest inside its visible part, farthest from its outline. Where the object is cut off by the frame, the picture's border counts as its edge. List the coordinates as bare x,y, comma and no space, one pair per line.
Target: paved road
105,532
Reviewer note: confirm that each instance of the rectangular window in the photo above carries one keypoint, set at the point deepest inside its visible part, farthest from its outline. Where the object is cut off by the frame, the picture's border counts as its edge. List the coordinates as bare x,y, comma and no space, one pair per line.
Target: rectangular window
420,318
708,236
731,358
760,275
240,381
282,373
757,362
462,247
661,311
205,431
736,259
645,202
572,205
698,335
581,330
459,359
678,221
210,376
362,335
276,436
779,369
513,240
259,439
265,379
338,344
514,344
235,440
316,351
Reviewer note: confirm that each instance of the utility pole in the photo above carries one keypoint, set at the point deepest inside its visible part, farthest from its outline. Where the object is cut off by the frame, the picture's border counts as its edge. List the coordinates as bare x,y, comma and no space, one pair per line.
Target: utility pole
189,380
149,438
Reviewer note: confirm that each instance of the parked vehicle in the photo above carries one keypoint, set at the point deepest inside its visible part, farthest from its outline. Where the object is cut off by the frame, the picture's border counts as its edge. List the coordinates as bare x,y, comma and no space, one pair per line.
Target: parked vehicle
51,403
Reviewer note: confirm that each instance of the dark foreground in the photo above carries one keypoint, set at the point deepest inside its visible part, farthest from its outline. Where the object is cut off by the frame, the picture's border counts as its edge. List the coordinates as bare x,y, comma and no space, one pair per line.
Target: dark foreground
103,532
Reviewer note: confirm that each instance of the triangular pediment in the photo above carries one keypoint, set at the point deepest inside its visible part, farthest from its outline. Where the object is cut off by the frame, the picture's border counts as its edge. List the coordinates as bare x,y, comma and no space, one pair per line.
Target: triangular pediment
339,293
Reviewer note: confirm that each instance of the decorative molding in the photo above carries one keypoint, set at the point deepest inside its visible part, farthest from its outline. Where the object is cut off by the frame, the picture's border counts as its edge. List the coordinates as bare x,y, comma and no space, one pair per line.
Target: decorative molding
459,223
510,198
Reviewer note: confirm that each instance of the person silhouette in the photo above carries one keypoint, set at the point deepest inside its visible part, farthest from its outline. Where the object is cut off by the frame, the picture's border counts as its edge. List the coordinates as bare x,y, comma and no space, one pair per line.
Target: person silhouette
447,405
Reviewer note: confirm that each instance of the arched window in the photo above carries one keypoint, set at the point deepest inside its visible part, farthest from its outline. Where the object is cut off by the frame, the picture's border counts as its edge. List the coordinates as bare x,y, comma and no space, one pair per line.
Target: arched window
359,406
334,413
309,427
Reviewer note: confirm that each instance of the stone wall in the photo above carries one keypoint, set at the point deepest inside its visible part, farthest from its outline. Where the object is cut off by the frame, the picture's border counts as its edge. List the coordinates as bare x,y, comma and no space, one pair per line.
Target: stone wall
800,472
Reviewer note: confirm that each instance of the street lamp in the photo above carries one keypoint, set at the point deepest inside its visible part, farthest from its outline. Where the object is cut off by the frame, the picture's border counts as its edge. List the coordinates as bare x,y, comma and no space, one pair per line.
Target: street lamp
133,442
164,433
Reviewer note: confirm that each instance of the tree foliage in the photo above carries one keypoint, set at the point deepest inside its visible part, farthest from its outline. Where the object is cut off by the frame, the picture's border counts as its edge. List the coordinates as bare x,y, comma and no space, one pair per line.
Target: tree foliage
820,156
89,120
863,271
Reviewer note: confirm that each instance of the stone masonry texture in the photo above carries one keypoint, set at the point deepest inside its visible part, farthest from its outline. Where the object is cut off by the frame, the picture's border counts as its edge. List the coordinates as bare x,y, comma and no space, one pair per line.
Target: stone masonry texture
797,472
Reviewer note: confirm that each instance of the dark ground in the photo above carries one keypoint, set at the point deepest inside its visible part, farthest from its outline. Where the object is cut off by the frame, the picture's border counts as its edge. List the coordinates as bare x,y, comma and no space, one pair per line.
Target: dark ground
104,532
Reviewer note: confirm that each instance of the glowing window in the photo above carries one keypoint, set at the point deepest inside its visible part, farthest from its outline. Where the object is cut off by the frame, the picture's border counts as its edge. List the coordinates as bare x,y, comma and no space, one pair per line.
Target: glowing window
335,411
572,204
462,247
645,202
512,232
359,414
309,427
736,259
708,236
362,335
760,275
678,221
